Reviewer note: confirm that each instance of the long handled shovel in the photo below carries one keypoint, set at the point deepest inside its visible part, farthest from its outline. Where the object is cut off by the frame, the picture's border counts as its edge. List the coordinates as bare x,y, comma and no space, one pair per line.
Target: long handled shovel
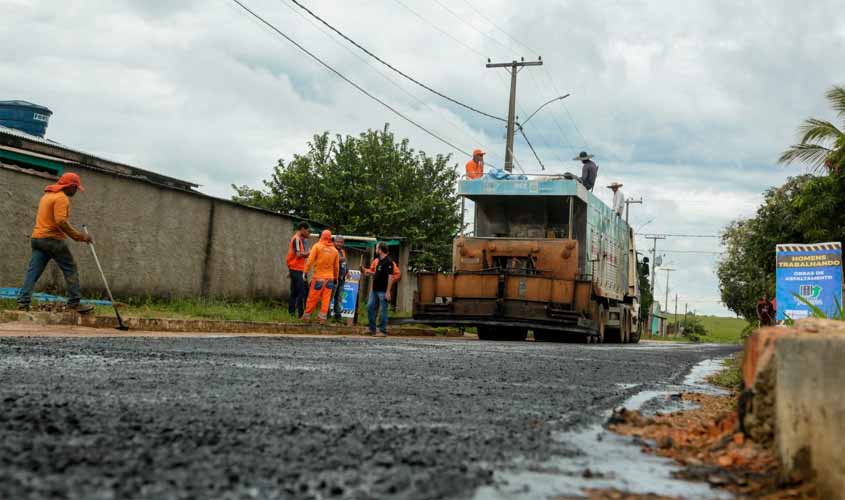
120,324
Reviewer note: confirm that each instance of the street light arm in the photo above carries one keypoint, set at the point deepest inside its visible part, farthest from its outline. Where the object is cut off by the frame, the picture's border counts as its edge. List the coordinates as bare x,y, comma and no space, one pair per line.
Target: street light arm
559,98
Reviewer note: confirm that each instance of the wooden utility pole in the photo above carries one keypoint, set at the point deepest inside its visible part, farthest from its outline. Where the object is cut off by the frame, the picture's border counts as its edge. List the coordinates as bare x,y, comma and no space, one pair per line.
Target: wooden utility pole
676,314
654,237
628,203
514,68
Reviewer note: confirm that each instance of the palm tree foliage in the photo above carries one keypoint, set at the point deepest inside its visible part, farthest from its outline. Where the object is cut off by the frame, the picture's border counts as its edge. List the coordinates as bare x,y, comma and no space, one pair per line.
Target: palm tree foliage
822,143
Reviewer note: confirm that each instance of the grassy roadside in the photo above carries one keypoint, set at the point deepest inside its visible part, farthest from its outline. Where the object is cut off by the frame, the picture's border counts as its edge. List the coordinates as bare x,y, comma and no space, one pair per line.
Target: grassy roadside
729,377
720,330
199,308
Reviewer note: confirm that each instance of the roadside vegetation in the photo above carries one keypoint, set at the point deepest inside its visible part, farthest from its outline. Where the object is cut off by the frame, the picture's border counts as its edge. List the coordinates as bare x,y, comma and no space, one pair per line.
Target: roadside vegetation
708,329
807,208
729,377
199,308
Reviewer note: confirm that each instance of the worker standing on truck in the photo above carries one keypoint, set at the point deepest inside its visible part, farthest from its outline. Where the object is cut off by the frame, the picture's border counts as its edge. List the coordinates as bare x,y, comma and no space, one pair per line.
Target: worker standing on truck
297,255
618,198
52,227
385,273
589,170
323,259
475,167
337,295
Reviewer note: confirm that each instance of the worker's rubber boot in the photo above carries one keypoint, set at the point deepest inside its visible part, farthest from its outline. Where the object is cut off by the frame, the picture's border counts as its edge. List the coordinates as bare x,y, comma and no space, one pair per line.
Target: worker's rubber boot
81,308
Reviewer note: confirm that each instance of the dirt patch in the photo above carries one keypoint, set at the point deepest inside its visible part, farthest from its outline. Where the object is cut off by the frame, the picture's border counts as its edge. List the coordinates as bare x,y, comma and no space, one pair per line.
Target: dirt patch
707,442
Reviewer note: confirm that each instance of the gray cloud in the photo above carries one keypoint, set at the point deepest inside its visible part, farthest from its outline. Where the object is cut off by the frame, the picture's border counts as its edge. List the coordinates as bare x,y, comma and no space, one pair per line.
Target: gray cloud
687,103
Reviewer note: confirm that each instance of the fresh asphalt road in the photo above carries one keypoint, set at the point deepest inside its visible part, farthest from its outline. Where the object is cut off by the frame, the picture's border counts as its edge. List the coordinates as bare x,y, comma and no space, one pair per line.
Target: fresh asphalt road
297,417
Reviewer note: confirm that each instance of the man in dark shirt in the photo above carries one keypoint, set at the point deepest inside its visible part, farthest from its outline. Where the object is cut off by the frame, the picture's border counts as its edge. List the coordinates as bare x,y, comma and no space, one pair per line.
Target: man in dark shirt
765,311
589,170
384,273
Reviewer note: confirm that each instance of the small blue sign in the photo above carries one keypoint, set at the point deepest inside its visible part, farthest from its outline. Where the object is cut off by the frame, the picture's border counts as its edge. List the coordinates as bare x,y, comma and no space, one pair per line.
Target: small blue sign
350,295
811,273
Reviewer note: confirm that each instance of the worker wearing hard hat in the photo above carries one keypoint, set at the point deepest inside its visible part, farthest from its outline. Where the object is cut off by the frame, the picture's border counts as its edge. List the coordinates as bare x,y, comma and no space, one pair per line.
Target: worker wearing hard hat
475,167
325,262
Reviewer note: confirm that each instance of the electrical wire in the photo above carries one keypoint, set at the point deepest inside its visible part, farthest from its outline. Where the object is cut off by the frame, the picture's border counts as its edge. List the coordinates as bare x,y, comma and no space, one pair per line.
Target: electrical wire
346,79
395,69
681,235
478,11
463,20
521,131
389,80
438,28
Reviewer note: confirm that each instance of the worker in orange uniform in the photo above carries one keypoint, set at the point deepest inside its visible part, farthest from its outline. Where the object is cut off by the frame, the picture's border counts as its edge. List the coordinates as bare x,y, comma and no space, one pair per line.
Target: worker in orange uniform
475,167
52,227
297,255
325,262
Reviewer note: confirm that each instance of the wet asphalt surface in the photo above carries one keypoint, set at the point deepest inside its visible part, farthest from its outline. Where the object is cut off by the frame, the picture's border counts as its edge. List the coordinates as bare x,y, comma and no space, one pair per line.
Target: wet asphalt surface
301,417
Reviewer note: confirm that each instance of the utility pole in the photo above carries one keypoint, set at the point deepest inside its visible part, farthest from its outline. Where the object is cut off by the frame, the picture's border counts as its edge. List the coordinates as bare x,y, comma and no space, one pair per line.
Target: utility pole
654,237
676,313
628,203
666,303
515,67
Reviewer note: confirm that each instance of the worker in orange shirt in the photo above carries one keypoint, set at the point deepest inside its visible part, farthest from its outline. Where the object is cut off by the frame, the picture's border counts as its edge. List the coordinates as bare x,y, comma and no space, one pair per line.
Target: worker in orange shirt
52,227
297,255
475,167
325,262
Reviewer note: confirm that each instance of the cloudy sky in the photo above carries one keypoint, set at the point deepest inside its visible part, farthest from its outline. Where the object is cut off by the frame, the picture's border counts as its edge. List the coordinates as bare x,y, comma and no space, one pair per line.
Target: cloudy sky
686,103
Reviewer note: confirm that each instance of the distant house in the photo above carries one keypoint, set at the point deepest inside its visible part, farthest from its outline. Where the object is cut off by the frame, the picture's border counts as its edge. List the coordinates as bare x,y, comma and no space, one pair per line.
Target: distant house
658,320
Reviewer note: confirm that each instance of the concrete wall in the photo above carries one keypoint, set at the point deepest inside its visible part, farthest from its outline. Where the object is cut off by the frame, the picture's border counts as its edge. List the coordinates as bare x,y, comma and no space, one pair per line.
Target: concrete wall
151,240
810,406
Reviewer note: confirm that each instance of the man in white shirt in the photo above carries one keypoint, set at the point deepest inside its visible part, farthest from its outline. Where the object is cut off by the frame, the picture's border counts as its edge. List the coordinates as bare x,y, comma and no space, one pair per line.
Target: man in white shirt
618,198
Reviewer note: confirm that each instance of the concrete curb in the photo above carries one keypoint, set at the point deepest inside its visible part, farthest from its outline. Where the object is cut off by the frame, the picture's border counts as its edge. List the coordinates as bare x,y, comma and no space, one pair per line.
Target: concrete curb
215,326
794,378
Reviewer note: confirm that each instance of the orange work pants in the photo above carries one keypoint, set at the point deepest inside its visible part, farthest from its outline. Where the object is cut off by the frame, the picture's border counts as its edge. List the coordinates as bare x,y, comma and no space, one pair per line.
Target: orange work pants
323,295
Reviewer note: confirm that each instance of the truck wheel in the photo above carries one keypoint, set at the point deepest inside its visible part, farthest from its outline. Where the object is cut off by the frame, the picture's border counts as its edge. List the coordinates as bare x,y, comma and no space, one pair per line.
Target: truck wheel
602,320
635,336
486,333
516,334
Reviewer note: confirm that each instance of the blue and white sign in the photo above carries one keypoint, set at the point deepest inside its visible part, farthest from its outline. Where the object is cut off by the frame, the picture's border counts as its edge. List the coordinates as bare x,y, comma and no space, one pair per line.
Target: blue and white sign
812,272
350,295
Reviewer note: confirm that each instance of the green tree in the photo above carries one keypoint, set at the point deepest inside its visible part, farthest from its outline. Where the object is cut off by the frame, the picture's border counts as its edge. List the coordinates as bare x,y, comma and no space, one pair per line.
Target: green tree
373,185
822,144
806,209
693,328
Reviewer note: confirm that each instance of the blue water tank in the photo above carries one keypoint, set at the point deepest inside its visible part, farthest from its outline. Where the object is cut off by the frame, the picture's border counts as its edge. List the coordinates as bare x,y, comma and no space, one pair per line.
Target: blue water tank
25,116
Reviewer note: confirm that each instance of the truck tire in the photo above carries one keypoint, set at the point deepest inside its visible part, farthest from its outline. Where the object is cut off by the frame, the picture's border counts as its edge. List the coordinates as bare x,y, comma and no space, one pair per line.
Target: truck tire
486,333
501,333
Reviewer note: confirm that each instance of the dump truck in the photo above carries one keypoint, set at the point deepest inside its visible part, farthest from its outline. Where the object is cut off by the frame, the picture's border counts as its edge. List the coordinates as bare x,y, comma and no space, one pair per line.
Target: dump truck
545,255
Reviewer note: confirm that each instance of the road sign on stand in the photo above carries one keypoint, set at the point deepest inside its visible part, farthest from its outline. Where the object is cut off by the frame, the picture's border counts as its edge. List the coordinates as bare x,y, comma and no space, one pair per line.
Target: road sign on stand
812,272
350,296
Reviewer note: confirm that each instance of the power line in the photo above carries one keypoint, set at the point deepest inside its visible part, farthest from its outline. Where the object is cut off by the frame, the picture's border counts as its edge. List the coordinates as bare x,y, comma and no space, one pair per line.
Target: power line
347,80
435,26
543,167
704,252
405,75
478,11
381,73
682,235
463,20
